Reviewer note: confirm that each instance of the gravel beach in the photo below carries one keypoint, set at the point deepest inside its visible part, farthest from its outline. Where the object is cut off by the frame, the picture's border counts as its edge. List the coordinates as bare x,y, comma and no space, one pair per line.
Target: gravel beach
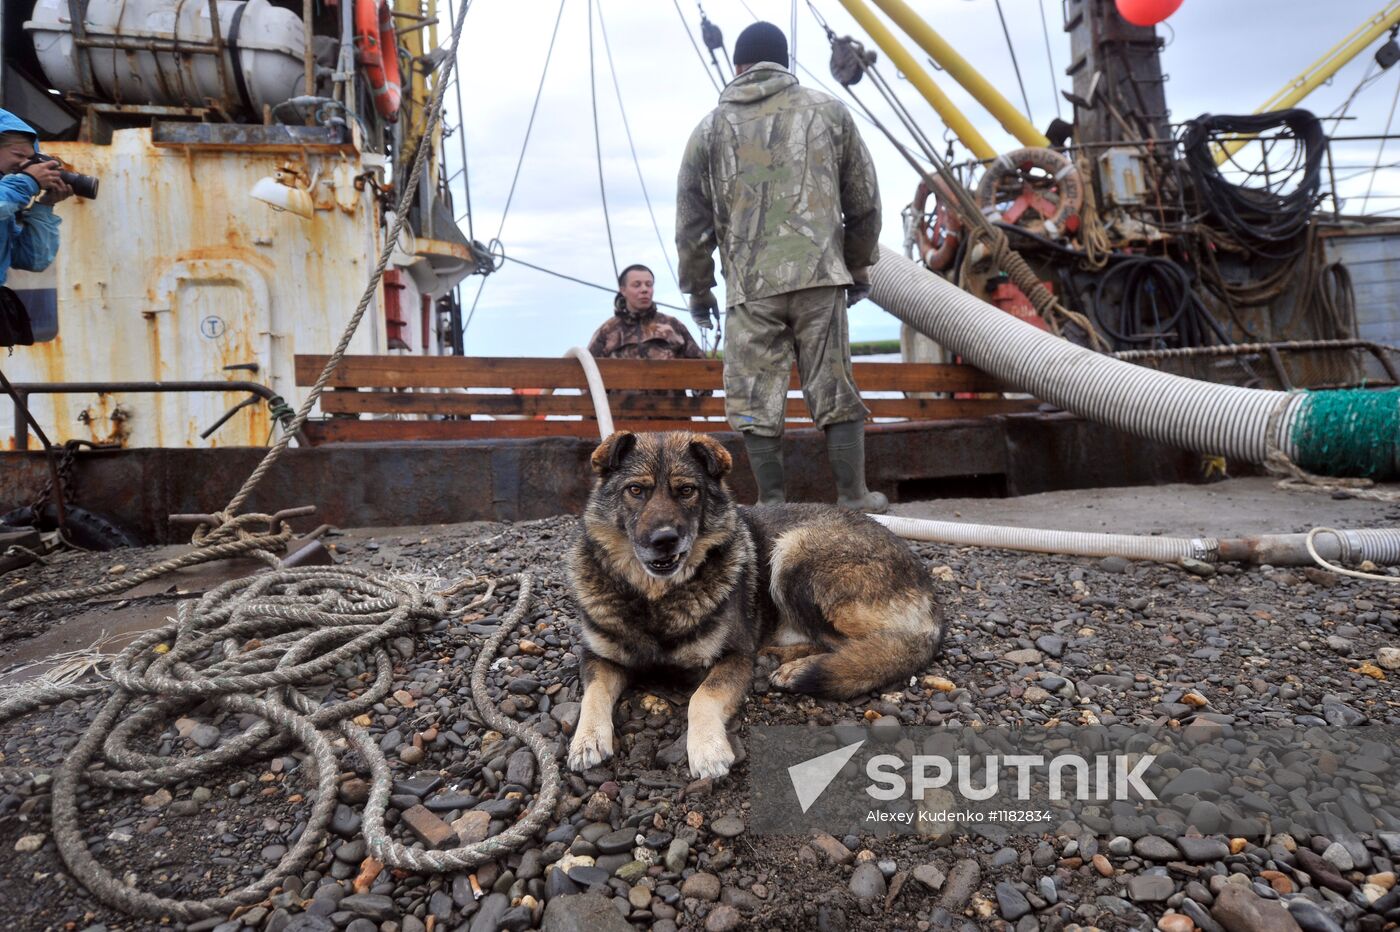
636,844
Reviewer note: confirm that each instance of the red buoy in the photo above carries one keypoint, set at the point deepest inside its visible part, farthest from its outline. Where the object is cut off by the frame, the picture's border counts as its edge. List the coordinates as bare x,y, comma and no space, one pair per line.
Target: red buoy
1147,12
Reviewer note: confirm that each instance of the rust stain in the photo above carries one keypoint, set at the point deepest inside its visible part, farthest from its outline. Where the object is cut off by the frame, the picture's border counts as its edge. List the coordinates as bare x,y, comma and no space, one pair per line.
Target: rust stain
153,216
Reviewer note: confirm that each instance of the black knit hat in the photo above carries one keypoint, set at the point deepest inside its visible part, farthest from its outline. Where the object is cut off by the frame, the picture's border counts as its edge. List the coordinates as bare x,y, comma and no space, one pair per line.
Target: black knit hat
761,42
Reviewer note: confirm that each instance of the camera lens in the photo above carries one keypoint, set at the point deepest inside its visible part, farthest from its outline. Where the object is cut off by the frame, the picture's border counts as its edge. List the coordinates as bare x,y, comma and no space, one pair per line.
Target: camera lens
82,185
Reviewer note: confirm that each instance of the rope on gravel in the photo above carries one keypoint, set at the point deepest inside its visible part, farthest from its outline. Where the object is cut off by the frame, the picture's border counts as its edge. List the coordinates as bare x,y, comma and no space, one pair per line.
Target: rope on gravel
249,647
214,544
1321,561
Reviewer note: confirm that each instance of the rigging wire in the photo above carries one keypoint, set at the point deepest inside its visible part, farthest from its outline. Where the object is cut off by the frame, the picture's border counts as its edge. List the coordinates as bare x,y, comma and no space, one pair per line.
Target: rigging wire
660,240
520,161
693,44
1010,47
1381,150
792,37
598,139
578,281
1049,57
807,71
462,141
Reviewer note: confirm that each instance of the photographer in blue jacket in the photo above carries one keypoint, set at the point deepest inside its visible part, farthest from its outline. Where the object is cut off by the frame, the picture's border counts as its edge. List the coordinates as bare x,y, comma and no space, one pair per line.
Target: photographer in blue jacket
29,187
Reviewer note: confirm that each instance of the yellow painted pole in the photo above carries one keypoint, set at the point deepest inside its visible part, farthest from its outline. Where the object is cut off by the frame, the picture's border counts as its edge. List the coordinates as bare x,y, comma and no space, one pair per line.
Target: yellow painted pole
958,68
905,62
1320,71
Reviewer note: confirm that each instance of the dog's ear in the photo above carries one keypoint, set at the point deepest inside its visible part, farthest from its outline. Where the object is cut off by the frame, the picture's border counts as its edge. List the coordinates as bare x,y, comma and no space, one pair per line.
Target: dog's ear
613,451
712,456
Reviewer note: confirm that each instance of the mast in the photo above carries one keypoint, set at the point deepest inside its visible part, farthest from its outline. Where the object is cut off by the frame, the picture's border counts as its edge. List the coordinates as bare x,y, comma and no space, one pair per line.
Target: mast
1117,73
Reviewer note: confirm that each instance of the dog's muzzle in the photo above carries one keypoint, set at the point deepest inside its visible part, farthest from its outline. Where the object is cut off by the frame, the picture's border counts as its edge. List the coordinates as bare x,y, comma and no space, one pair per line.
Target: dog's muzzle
664,552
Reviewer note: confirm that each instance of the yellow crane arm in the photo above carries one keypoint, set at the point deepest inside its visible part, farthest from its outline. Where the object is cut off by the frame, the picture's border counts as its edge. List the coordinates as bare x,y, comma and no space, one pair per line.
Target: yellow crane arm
958,68
917,76
1320,71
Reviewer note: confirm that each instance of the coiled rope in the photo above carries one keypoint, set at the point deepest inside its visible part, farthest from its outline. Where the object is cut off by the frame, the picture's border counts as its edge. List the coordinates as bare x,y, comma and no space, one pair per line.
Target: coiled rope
248,647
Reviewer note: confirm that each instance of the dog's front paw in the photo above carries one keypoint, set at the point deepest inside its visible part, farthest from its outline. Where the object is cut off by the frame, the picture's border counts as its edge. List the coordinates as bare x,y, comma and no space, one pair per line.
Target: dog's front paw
710,754
590,747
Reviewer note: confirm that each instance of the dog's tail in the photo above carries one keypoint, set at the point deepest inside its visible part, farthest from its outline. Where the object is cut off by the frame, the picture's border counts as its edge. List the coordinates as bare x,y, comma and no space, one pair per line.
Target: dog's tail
860,664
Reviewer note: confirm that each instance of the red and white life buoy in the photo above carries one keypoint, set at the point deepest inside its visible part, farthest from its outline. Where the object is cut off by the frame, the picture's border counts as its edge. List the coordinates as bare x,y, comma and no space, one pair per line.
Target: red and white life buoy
937,232
377,50
1036,188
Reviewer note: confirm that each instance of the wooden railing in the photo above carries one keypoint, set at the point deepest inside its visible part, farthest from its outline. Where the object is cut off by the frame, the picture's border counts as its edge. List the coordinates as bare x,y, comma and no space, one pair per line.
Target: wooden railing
515,396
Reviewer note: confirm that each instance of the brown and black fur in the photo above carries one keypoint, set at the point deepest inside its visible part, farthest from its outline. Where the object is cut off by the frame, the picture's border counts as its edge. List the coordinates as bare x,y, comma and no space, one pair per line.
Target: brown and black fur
672,577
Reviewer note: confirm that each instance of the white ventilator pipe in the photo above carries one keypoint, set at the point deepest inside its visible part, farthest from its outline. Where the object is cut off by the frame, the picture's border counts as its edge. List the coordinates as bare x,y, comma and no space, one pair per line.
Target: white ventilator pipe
1195,415
1381,546
1201,416
595,388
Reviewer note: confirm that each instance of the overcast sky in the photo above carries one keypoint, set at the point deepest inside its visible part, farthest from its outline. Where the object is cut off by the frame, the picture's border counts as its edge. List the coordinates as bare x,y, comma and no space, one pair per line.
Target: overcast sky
1223,56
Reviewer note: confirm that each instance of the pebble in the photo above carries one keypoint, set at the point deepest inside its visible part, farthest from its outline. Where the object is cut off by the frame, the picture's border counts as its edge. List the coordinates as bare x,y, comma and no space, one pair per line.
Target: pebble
1011,902
867,881
727,827
587,912
1150,888
929,875
30,843
723,919
962,882
1238,909
702,887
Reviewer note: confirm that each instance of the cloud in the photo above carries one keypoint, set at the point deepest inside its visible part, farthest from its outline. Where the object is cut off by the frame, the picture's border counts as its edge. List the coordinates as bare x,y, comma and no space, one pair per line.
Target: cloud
1222,56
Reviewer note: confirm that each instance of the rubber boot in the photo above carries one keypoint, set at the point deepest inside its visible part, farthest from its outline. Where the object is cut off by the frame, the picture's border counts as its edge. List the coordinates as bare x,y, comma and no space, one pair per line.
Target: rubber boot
766,461
845,448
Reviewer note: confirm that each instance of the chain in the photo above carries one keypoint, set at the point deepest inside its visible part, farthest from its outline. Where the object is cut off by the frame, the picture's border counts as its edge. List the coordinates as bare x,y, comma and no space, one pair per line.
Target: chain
65,477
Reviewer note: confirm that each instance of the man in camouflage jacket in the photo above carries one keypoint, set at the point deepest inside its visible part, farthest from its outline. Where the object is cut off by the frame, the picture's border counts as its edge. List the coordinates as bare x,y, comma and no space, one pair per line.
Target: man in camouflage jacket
638,330
777,178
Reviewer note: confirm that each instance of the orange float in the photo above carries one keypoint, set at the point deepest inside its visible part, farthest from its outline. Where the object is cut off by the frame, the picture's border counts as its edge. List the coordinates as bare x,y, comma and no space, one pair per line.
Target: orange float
377,50
939,231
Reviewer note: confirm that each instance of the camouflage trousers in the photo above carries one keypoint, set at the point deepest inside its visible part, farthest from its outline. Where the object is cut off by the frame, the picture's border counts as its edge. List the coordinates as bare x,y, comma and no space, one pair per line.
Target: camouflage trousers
761,340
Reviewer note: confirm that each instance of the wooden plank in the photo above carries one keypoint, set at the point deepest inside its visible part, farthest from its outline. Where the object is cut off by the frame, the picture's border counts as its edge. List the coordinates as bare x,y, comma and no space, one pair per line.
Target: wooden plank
537,372
343,430
639,406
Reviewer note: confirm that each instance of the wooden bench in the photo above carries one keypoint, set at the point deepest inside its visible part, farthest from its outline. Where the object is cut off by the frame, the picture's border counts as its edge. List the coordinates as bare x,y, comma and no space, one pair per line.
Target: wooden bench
518,396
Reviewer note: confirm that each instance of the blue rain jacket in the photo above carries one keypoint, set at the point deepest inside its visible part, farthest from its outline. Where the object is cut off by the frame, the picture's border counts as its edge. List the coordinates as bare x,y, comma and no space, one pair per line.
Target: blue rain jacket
28,235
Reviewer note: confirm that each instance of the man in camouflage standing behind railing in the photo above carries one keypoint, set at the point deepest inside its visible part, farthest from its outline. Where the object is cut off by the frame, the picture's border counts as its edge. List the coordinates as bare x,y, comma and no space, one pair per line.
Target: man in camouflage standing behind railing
778,179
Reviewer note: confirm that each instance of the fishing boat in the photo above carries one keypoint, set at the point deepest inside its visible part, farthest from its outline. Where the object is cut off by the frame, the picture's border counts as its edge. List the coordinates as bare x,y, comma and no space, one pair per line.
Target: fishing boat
248,188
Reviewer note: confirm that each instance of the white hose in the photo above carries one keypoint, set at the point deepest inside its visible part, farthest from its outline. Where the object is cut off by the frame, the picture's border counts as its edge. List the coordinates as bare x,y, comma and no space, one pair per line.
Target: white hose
1194,415
1380,546
595,389
1037,540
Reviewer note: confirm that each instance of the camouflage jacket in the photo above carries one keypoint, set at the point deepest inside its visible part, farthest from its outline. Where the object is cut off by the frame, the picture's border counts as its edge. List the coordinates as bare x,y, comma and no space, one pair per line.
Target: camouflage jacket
649,335
778,178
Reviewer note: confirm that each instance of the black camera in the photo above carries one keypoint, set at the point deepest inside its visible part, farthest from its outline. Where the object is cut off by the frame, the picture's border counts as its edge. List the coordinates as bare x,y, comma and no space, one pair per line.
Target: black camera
82,185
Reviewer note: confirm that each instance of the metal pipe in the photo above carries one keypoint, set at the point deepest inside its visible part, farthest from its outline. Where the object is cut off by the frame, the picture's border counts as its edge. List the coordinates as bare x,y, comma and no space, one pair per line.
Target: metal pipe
216,37
345,76
308,59
960,70
77,13
22,409
134,44
79,388
952,116
1321,71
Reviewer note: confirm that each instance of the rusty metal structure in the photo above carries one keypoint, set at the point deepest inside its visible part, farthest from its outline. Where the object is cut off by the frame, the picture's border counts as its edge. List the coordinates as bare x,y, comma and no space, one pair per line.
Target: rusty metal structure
176,272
